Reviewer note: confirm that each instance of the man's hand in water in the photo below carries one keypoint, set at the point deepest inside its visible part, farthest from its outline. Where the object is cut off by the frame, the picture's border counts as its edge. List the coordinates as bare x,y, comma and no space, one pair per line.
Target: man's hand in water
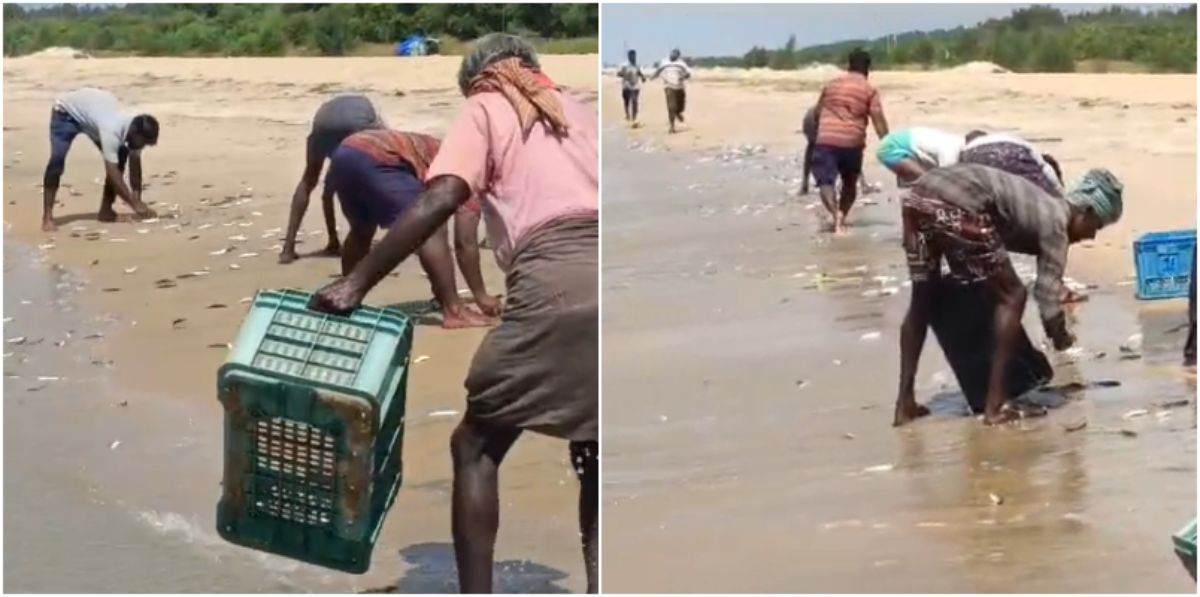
1057,330
339,297
489,305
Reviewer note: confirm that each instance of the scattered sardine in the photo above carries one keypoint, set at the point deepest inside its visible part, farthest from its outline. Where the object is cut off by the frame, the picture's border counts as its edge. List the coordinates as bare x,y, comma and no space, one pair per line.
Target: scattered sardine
1076,426
217,306
930,525
247,255
870,336
1165,404
111,289
17,340
245,299
879,468
117,240
997,499
220,251
238,238
143,231
421,359
130,270
234,266
226,346
444,413
204,226
1133,414
114,445
47,378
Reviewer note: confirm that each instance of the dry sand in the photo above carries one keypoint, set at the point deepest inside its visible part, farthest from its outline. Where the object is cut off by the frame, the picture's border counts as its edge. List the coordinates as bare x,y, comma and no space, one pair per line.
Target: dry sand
1142,127
230,153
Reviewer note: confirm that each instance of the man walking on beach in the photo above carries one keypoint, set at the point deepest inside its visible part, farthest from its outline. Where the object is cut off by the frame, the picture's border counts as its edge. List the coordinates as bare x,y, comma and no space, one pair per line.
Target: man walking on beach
532,153
119,136
972,215
335,120
632,78
377,175
674,73
845,105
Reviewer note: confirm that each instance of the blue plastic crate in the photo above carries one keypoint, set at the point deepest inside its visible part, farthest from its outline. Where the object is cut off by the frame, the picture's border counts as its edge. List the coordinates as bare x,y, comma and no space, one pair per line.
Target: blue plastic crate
314,428
1164,264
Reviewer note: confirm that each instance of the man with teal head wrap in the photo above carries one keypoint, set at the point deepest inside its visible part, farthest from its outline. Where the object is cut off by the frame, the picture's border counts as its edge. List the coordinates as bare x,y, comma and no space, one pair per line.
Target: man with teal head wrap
972,216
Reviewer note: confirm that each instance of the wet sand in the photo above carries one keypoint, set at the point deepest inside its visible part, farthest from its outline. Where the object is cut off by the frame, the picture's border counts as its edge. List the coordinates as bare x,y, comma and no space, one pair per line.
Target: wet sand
750,367
231,151
1142,127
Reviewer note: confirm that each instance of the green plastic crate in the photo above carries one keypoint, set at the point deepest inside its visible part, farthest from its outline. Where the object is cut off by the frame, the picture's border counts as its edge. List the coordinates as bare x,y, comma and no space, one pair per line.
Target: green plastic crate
1185,547
314,426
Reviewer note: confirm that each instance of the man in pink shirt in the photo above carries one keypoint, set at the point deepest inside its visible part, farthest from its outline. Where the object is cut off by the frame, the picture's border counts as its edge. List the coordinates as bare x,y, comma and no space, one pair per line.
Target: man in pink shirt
531,153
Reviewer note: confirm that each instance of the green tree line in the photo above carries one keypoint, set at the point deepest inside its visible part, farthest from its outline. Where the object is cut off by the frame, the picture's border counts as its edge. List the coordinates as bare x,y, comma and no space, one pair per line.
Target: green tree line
275,30
1033,39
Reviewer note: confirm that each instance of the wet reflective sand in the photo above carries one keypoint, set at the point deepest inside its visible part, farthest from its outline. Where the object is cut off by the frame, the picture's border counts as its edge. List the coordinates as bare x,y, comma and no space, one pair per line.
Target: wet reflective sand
750,368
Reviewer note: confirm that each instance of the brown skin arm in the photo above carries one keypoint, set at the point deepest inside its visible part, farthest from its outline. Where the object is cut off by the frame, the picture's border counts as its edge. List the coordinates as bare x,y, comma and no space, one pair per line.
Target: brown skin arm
113,173
358,244
135,174
442,197
300,197
880,122
466,251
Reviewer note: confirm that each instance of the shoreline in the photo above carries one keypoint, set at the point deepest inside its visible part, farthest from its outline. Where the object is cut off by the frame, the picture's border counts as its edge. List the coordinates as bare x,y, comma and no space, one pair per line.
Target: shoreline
221,178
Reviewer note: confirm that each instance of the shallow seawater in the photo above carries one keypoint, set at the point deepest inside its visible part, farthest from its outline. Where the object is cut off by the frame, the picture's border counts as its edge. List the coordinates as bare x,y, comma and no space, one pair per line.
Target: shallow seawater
107,491
750,368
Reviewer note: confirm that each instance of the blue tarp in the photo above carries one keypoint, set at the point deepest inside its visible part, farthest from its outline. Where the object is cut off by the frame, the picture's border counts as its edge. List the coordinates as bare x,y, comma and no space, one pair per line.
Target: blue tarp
415,45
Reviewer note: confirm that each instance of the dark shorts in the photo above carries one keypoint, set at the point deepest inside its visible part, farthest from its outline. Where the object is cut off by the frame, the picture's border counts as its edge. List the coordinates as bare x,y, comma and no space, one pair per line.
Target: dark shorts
538,369
676,101
1014,159
829,162
630,96
933,229
371,192
63,130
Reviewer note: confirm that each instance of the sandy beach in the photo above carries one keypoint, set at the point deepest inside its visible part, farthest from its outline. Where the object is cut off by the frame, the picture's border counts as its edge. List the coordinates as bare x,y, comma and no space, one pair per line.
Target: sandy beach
750,359
230,153
1142,127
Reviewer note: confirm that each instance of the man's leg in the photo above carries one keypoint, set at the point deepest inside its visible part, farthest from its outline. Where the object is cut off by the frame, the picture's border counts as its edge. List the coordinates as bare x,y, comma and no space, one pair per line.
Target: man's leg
438,263
670,110
808,157
333,248
924,266
109,196
625,97
585,459
1010,305
682,104
850,168
633,102
62,132
477,452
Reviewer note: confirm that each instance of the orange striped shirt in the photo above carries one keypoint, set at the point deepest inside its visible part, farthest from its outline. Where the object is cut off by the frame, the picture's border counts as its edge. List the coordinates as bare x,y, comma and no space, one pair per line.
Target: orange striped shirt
846,102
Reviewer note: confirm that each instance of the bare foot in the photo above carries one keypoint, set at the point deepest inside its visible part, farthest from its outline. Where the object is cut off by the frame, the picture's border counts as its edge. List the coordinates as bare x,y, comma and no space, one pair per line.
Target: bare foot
49,226
145,213
107,215
1006,415
287,257
330,250
459,317
907,414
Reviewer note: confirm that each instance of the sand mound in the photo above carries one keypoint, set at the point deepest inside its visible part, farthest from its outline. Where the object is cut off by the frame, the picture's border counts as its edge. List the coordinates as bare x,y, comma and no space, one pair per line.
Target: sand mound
60,52
980,68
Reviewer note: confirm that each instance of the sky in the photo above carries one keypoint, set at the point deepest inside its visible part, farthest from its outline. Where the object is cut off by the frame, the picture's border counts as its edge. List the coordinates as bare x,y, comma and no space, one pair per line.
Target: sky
731,29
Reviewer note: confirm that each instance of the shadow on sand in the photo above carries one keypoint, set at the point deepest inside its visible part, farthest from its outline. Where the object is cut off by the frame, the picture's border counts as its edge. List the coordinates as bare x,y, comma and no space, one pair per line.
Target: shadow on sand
432,570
